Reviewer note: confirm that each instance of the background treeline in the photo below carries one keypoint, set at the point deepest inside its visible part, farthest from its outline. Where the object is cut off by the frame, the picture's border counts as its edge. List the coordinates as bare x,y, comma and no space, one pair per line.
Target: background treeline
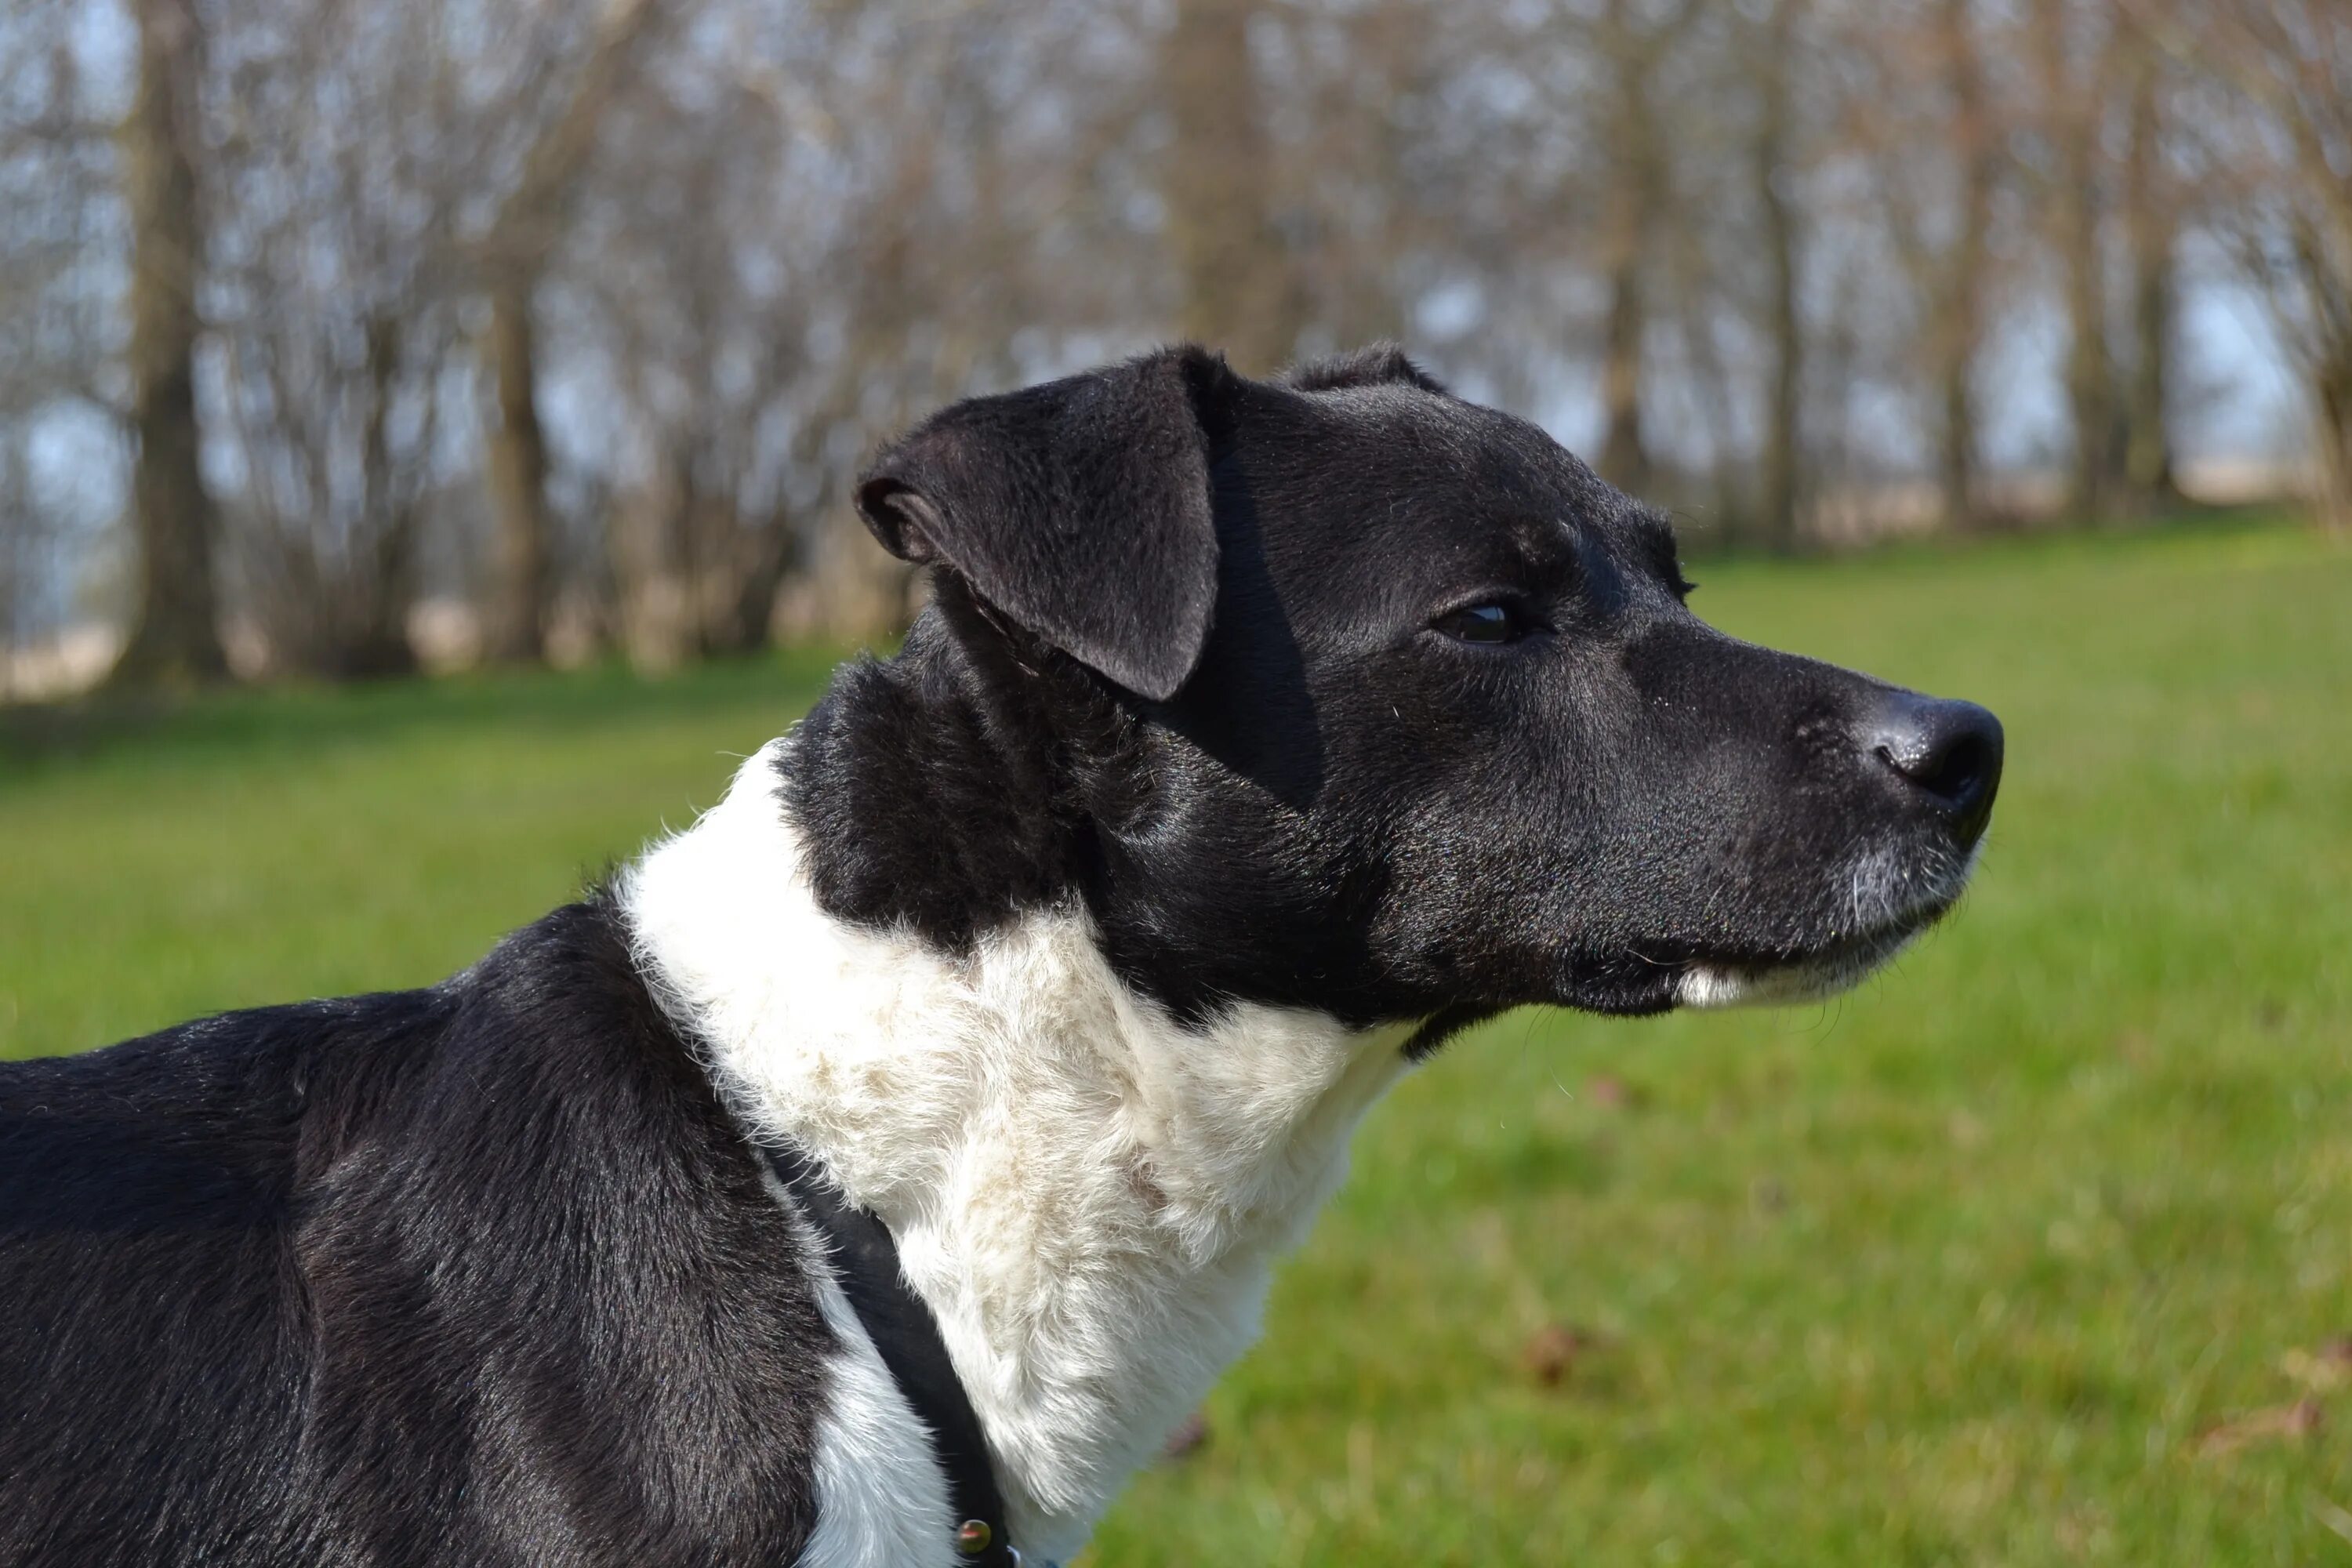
340,334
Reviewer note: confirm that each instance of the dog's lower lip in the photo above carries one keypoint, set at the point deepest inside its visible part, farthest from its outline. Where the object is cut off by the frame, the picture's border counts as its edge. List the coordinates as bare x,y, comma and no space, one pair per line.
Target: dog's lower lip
1857,952
1652,977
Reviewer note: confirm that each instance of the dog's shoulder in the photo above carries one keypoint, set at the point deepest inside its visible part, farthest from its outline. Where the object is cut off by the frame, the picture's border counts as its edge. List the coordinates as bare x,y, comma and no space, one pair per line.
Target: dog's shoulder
482,1271
161,1141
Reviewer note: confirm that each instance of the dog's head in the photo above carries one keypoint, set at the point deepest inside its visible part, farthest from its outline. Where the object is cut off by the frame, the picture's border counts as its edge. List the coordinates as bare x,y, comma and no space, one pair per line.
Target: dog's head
1364,698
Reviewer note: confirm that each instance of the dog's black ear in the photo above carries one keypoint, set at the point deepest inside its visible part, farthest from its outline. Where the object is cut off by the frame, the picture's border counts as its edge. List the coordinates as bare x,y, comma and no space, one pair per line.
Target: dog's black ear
1079,508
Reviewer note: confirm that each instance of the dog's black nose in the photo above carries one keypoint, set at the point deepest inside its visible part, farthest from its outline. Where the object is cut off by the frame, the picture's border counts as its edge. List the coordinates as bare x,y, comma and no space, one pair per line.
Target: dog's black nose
1949,752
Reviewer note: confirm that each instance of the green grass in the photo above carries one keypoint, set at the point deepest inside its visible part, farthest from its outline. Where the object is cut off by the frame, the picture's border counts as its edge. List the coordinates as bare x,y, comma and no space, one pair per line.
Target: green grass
1963,1267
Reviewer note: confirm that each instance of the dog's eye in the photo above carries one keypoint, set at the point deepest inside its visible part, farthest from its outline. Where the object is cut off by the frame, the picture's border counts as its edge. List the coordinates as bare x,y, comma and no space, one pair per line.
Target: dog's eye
1482,623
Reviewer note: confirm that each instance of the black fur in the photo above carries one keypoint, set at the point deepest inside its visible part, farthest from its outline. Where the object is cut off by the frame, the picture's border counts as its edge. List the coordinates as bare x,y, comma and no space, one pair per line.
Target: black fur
1341,808
481,1274
1081,506
484,1274
1366,366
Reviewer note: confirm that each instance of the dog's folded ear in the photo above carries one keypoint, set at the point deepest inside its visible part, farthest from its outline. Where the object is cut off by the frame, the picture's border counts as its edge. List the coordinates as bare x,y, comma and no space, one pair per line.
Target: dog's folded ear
1080,509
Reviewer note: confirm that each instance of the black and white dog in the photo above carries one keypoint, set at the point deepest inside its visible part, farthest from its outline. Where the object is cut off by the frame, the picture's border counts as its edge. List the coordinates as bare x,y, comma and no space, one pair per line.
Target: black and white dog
874,1173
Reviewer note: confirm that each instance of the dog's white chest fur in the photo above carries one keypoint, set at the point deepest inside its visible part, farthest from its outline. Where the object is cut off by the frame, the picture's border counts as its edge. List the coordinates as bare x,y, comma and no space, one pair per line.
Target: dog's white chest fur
1090,1198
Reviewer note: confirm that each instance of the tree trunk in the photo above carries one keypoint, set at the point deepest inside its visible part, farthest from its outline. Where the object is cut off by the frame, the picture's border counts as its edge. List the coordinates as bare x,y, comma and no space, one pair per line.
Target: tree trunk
175,637
1624,459
1962,326
1784,432
1240,291
2090,374
516,455
750,614
1626,224
376,644
2148,442
2334,440
528,228
2071,112
18,536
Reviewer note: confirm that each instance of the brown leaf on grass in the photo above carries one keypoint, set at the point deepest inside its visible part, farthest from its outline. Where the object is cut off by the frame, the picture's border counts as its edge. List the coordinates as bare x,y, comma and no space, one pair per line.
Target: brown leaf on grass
1551,1352
2286,1422
1189,1435
1612,1093
2327,1370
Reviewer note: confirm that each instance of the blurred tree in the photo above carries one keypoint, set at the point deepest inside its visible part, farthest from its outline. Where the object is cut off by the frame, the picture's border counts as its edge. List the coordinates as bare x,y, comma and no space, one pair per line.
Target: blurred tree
2151,237
174,635
701,536
1927,126
512,257
1240,290
1958,331
1638,190
2282,141
60,187
2075,76
577,316
335,316
1776,161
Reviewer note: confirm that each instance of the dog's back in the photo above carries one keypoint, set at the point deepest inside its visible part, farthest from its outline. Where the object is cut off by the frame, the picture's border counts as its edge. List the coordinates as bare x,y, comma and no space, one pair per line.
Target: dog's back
475,1274
151,1199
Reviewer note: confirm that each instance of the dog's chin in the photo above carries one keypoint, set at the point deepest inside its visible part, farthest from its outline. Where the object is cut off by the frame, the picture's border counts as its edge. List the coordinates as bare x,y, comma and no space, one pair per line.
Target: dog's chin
1907,904
1659,978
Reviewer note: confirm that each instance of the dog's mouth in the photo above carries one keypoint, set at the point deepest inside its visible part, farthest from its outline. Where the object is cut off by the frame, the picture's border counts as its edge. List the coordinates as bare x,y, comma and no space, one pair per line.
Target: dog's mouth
1657,976
1733,980
1893,898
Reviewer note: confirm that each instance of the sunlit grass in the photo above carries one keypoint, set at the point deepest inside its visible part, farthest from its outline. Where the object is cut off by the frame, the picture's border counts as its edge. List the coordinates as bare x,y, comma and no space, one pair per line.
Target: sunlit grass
1967,1267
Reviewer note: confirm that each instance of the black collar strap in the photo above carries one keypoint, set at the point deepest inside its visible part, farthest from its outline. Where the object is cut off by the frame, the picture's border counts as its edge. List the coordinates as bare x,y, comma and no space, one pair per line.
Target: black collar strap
866,1262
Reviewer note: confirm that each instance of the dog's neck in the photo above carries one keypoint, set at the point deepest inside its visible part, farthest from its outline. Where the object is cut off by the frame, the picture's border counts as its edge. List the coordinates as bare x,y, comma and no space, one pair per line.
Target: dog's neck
1089,1196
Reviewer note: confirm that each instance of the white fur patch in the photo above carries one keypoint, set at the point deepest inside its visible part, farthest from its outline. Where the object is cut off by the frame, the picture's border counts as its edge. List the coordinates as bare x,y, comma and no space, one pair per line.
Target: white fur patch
1090,1198
1706,985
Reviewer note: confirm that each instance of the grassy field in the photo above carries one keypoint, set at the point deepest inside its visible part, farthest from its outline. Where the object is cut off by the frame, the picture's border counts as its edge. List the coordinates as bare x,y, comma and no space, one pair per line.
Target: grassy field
2033,1251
